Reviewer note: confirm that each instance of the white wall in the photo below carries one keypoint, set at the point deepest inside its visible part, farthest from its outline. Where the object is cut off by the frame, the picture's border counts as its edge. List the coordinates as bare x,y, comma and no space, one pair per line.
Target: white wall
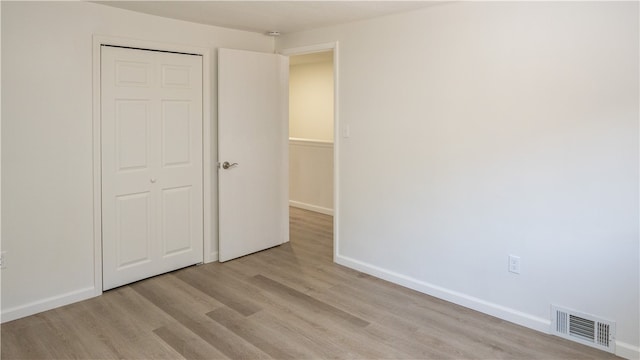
311,175
311,101
482,129
47,135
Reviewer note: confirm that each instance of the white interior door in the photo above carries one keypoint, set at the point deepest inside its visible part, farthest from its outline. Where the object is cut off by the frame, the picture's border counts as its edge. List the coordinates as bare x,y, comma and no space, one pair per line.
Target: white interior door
151,132
252,133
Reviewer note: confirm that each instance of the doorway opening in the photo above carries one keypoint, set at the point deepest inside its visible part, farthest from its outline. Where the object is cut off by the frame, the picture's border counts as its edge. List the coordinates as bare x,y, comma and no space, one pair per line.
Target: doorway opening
311,144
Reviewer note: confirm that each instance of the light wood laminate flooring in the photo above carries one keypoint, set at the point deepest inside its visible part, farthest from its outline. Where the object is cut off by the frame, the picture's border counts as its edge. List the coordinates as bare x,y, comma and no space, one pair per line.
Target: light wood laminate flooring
288,302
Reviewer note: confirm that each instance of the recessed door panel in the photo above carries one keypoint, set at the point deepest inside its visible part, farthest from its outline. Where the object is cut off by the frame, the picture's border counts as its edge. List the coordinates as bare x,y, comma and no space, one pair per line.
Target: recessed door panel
176,220
133,214
176,135
132,133
176,76
130,73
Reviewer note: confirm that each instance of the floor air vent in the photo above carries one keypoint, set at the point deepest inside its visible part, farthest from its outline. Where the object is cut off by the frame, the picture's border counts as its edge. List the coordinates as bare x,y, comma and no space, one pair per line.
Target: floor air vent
583,328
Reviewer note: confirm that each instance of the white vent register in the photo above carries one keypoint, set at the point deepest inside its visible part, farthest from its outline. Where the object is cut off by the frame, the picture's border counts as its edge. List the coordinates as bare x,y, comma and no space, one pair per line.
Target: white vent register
583,328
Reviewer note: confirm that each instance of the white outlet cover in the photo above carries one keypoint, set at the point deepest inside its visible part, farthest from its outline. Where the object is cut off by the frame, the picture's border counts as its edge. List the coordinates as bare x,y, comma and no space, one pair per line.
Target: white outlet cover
346,131
514,264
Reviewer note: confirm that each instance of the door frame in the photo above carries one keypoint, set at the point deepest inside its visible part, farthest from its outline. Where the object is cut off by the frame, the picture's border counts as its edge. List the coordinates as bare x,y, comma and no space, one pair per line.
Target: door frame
309,49
207,149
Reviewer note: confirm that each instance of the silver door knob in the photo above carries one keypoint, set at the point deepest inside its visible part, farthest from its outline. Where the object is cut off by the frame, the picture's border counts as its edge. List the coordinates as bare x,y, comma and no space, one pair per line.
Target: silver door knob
153,180
226,165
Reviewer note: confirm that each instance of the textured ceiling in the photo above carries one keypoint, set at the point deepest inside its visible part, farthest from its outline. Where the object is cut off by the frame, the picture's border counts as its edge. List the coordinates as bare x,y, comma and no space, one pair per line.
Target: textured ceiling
263,16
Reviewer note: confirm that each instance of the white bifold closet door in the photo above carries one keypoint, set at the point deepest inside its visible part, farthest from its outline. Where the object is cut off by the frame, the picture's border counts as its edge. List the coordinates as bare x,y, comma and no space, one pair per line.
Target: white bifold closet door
151,132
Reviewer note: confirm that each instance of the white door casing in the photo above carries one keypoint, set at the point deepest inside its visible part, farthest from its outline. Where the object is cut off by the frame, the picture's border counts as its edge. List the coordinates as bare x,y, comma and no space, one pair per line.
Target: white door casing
252,132
151,146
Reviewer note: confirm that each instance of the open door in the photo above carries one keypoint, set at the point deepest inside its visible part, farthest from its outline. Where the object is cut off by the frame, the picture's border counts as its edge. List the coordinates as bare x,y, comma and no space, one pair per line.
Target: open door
253,160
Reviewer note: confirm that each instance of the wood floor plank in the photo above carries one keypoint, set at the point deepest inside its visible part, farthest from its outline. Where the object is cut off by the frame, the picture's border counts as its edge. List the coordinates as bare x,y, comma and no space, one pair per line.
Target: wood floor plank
294,297
259,334
311,316
216,335
135,308
327,344
395,329
33,338
178,293
291,273
189,345
125,335
323,321
95,329
334,340
308,262
219,287
429,323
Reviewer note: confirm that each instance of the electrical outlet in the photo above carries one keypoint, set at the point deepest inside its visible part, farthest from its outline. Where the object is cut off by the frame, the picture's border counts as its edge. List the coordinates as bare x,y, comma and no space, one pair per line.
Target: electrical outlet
514,264
346,131
3,260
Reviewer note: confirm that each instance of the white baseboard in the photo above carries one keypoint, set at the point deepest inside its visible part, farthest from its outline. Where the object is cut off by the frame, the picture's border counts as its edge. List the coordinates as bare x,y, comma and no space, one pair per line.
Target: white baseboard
627,351
502,312
319,209
213,256
48,304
